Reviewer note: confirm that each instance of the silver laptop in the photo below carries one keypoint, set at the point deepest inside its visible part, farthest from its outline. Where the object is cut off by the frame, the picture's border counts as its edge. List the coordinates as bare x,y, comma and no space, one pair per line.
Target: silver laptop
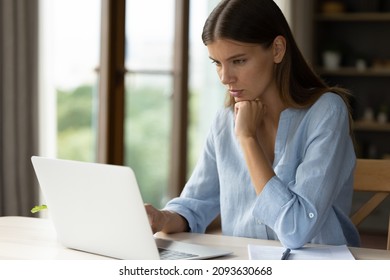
98,208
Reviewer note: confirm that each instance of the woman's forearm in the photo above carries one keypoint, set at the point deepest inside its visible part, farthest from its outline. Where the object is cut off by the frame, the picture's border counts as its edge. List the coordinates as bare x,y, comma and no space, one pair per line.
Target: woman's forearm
259,166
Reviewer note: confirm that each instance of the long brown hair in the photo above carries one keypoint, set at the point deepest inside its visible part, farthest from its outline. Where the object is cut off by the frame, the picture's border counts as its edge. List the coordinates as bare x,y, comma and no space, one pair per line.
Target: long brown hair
260,22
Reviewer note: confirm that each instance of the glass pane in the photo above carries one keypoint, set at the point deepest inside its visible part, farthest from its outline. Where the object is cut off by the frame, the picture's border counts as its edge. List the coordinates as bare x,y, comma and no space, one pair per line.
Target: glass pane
150,34
149,47
207,94
147,134
69,55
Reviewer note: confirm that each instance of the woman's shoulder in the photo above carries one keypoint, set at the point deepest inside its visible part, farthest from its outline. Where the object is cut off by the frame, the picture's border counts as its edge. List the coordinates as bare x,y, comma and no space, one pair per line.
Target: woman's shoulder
330,109
330,100
329,103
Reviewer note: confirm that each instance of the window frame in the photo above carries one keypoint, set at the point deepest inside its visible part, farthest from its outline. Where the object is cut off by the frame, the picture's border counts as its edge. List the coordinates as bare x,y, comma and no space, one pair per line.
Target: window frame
112,70
110,142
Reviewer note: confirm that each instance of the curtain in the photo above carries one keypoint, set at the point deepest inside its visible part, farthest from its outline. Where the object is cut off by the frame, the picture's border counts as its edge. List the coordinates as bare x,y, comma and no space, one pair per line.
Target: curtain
18,105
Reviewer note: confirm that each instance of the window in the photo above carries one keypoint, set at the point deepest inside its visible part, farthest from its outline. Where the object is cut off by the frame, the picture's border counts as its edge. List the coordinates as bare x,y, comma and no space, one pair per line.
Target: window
207,94
148,95
69,54
150,43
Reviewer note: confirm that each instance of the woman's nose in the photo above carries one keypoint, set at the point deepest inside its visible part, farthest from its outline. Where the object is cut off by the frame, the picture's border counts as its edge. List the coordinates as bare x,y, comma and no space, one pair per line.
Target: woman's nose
226,76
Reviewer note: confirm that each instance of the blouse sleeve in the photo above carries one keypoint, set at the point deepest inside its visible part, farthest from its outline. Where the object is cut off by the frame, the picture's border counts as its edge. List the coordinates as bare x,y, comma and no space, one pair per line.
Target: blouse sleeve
297,210
199,202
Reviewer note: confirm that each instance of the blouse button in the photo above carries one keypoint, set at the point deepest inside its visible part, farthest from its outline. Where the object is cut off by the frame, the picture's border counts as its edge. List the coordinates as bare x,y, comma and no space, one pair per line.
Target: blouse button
311,215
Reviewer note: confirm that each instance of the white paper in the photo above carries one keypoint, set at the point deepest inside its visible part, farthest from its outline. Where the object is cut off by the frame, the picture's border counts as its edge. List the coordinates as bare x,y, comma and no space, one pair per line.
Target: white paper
259,252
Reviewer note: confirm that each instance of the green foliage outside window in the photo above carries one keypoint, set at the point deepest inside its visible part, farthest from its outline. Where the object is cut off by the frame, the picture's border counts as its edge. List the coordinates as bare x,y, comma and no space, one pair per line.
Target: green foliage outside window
76,136
147,129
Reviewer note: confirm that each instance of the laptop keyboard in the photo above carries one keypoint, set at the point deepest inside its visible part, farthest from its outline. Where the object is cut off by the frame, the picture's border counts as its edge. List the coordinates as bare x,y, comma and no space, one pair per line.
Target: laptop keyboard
166,254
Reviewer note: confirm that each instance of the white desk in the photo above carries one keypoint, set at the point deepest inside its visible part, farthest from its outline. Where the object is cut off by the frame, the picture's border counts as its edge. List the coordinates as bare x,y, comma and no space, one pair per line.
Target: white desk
35,239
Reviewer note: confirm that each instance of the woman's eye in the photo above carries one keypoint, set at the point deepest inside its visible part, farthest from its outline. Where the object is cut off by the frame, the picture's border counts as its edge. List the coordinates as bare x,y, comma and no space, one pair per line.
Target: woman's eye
217,63
239,61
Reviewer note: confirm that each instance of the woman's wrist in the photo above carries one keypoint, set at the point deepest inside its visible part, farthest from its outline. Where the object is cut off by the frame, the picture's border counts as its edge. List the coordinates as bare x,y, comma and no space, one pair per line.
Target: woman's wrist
173,222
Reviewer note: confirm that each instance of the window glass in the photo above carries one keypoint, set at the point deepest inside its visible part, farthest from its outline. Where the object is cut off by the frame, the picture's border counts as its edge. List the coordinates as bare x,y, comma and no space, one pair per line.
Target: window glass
207,94
148,112
69,55
149,34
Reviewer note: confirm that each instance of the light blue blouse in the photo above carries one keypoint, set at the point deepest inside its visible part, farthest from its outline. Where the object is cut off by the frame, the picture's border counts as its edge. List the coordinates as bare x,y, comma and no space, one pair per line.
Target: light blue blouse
308,200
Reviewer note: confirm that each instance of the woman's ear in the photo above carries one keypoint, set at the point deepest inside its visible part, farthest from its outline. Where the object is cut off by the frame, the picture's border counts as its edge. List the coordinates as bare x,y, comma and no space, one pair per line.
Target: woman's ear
279,46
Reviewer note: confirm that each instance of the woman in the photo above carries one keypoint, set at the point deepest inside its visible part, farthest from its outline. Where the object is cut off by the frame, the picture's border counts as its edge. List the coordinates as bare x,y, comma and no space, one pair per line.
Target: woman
278,162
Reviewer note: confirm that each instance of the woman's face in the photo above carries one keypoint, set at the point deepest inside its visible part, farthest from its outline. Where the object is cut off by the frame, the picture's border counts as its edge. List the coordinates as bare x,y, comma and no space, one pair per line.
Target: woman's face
246,69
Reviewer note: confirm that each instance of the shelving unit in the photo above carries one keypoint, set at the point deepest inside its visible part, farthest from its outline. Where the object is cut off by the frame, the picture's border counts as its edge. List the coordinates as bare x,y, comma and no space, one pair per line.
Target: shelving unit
354,16
362,37
365,126
353,72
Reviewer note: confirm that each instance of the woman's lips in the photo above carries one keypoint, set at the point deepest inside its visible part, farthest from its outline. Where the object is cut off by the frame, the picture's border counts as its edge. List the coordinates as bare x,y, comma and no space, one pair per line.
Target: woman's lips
235,93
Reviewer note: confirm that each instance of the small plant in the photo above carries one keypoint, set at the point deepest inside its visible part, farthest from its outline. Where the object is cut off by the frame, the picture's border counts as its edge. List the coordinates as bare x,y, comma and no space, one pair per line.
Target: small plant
38,208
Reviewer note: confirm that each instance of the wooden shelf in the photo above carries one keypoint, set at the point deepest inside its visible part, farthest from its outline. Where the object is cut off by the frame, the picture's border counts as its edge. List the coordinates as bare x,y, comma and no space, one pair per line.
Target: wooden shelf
351,71
353,17
363,34
371,126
